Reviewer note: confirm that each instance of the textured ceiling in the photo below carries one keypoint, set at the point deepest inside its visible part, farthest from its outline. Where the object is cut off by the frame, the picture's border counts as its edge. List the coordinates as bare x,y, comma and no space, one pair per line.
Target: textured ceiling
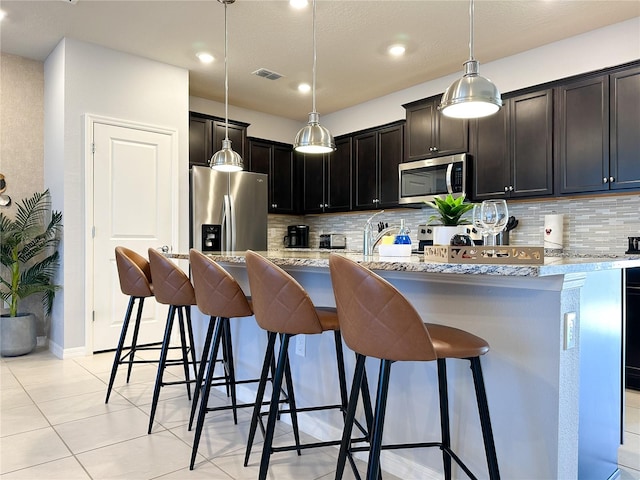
352,37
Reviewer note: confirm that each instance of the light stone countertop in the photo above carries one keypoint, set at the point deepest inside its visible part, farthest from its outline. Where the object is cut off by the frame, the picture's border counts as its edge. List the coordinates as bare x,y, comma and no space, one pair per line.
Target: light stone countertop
553,265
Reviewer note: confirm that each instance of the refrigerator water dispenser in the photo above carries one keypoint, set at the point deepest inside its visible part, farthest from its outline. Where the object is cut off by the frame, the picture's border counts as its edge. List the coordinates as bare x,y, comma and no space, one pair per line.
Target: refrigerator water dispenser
211,237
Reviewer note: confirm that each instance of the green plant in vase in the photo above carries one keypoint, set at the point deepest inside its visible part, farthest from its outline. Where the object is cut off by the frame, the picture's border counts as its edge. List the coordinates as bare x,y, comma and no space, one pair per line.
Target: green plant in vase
448,220
29,257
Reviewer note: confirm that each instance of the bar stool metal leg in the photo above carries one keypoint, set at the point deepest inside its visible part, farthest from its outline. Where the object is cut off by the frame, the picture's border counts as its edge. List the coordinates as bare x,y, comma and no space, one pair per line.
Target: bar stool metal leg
485,420
123,335
202,368
266,367
206,389
378,424
273,408
161,364
349,418
444,417
134,340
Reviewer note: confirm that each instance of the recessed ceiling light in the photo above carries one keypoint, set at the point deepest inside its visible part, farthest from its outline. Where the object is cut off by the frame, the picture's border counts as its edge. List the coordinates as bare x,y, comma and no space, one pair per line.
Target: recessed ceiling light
298,3
396,50
2,15
304,88
205,57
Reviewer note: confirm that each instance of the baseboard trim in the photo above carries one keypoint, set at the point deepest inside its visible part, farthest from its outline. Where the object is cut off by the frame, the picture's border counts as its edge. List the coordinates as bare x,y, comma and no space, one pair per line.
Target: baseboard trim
60,352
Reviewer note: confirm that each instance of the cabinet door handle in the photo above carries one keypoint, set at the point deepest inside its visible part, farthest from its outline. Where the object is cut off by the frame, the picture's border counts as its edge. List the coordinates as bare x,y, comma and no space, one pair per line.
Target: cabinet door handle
611,179
321,205
605,180
511,188
326,205
506,188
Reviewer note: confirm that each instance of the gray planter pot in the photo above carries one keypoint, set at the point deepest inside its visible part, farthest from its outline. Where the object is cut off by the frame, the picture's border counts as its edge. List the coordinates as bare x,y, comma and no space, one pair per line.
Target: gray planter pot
17,334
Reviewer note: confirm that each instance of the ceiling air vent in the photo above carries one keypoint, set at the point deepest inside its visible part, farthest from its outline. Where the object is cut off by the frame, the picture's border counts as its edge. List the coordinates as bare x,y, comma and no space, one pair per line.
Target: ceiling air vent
268,74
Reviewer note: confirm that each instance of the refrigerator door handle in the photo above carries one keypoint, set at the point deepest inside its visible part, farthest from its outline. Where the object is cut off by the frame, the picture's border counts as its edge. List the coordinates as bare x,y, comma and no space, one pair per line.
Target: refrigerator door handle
232,223
226,223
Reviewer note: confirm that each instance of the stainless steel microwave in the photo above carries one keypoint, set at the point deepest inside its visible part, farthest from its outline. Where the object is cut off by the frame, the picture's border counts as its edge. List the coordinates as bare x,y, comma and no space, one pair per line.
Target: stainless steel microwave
423,180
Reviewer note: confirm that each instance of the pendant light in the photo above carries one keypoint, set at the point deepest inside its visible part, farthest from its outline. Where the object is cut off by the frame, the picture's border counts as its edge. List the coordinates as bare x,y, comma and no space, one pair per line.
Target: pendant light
472,96
314,138
226,160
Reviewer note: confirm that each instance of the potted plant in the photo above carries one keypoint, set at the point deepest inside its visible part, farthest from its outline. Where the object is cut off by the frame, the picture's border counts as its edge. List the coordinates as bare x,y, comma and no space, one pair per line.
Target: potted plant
449,218
29,258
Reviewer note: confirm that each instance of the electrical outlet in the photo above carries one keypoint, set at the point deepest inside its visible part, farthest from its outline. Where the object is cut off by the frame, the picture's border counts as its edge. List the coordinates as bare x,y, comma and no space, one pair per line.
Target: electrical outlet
569,330
300,345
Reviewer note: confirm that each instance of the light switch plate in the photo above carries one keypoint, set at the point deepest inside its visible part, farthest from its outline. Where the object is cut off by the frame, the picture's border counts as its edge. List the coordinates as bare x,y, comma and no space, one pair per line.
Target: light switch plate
570,330
300,345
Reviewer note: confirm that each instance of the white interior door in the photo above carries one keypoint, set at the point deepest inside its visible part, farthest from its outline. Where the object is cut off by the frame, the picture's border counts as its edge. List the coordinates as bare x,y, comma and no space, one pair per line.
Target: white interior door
132,192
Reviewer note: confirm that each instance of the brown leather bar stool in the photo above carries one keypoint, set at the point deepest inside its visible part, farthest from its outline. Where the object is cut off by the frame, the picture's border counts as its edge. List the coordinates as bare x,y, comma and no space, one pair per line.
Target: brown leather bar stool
377,321
219,296
172,287
134,274
283,308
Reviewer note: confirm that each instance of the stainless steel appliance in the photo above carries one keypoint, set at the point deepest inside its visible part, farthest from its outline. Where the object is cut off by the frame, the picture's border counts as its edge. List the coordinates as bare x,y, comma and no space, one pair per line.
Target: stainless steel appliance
297,236
228,210
333,240
423,180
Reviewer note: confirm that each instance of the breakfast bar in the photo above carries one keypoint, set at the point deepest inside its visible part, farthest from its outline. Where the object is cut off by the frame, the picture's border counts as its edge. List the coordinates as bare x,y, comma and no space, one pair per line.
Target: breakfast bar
553,374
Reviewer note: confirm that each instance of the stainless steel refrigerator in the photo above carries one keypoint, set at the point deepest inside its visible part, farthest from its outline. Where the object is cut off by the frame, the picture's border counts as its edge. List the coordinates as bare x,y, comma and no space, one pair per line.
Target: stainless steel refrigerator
228,210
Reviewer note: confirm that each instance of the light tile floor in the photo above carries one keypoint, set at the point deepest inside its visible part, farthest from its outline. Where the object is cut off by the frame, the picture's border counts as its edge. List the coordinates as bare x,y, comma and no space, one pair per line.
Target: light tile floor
54,424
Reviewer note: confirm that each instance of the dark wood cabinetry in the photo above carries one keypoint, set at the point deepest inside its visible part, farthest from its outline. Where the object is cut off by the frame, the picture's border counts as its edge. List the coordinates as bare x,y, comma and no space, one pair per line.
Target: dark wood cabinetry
624,137
327,179
276,160
513,149
597,130
582,132
206,134
431,134
376,156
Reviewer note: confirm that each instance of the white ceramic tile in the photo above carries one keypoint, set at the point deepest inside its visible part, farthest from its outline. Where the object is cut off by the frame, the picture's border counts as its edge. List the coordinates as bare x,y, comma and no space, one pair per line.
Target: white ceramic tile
21,419
30,448
85,405
14,397
629,474
145,457
64,469
141,394
94,432
97,363
204,471
632,398
33,373
63,388
7,379
629,452
312,464
632,420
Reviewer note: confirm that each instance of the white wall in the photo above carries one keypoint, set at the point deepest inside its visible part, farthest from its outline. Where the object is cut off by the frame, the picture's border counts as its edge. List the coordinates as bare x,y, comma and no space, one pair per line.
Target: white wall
83,78
605,47
262,125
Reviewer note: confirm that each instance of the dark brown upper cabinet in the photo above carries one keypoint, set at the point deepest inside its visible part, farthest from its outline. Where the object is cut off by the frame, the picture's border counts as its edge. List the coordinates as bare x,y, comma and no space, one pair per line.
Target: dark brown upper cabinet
513,149
376,156
598,144
624,137
276,160
327,179
431,134
582,135
206,134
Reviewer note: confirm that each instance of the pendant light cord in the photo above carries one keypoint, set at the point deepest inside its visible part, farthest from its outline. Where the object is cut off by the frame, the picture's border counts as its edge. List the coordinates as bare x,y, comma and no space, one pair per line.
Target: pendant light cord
226,79
471,30
313,90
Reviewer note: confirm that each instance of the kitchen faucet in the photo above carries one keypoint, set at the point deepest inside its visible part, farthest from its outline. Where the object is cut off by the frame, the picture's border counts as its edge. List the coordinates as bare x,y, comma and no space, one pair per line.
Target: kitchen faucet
369,240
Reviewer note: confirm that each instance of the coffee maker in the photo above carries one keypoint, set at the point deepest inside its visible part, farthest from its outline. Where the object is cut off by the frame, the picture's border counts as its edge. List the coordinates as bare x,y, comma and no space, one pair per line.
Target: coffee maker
297,236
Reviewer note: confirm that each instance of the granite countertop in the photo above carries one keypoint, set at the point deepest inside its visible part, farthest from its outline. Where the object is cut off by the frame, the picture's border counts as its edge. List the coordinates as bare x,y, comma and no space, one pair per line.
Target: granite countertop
554,264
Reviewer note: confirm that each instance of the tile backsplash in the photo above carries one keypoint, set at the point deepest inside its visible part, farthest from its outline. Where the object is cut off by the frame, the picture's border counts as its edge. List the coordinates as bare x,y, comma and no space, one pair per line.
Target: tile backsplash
598,224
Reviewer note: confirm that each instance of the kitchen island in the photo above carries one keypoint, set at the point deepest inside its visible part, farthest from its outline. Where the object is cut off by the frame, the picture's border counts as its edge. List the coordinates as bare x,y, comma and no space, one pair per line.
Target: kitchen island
553,375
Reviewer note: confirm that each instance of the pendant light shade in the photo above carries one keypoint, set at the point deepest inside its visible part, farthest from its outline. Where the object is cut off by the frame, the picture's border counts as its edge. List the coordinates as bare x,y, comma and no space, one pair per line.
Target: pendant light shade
472,96
314,138
225,159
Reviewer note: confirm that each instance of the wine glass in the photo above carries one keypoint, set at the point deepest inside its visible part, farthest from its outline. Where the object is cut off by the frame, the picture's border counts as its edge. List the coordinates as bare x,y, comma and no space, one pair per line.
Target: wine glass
478,224
494,216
